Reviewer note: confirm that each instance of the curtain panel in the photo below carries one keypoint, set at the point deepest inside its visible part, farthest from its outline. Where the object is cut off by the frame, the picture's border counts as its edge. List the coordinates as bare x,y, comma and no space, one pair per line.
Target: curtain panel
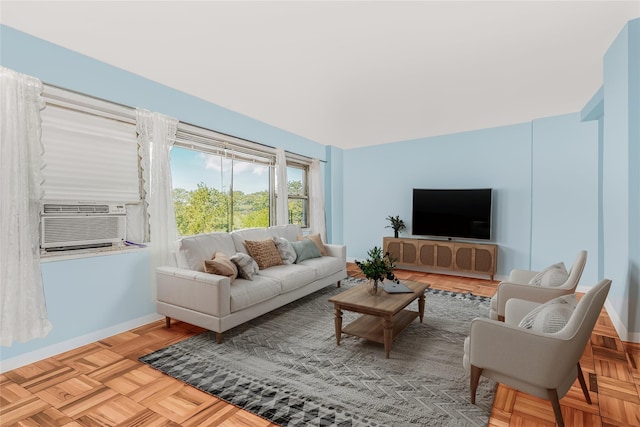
23,313
282,195
156,136
317,220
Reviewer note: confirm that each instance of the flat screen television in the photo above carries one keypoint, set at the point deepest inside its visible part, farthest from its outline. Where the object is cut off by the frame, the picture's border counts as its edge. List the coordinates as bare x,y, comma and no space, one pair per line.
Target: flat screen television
463,213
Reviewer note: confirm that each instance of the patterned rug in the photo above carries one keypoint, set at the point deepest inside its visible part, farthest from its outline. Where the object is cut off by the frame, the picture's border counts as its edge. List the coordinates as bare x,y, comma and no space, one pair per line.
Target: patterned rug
285,366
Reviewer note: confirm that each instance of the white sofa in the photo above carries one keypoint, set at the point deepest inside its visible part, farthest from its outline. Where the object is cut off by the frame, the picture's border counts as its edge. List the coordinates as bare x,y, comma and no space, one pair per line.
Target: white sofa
187,293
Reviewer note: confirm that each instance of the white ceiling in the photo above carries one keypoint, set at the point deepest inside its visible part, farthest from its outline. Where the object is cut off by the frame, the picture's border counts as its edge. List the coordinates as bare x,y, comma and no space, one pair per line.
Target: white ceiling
351,74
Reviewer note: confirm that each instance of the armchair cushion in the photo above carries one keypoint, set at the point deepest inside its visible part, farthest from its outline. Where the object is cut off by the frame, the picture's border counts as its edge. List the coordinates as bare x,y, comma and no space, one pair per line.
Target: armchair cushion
551,316
554,275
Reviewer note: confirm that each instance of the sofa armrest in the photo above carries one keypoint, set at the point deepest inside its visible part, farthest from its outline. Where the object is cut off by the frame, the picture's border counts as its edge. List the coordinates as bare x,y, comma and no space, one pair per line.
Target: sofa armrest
195,290
338,251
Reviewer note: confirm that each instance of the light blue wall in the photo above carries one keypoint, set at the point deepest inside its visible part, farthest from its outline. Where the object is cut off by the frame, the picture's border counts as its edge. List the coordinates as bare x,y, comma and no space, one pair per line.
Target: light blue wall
565,193
621,176
378,182
335,207
90,294
87,295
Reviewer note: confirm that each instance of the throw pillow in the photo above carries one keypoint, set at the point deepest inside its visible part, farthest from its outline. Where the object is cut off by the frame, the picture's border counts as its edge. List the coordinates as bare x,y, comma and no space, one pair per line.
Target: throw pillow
551,316
222,265
315,238
264,252
287,253
247,266
552,276
305,249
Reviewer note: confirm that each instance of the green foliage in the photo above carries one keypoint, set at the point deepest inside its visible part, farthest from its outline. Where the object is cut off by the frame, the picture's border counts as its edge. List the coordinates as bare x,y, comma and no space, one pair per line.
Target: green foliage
396,223
206,209
378,266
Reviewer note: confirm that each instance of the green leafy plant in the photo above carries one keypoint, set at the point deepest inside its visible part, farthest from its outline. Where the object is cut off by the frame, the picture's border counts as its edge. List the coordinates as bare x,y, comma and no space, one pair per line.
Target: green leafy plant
397,224
378,266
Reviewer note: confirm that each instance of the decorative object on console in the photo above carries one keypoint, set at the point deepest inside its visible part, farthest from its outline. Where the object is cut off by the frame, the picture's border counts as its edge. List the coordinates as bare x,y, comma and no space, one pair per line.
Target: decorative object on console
397,224
377,267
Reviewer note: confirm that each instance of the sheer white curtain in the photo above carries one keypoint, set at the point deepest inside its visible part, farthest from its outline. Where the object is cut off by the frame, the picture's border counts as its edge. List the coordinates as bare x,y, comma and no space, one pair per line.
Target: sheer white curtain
316,201
156,135
23,314
282,202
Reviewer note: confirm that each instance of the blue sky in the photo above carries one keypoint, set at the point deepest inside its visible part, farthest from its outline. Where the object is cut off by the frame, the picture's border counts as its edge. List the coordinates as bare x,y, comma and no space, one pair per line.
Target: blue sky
189,167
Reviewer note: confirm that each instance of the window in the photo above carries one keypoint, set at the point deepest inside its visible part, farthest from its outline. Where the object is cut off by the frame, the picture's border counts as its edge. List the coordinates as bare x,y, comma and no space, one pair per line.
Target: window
298,191
222,183
218,191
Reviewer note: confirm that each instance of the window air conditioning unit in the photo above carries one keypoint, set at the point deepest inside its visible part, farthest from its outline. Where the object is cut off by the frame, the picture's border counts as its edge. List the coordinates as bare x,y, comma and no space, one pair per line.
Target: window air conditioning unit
82,226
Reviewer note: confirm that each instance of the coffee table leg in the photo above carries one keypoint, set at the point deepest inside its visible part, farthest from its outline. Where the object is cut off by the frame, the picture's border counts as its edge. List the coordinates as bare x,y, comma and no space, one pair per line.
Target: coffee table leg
338,322
387,325
421,307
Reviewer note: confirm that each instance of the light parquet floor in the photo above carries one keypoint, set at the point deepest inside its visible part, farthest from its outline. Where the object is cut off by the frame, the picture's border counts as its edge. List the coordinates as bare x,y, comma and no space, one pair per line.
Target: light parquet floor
104,384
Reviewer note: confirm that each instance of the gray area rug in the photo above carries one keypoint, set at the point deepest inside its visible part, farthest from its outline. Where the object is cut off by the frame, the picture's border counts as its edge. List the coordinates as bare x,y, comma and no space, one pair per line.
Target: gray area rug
285,366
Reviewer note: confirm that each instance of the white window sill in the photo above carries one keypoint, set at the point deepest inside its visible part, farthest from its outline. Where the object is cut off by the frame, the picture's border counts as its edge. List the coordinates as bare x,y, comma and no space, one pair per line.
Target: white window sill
87,253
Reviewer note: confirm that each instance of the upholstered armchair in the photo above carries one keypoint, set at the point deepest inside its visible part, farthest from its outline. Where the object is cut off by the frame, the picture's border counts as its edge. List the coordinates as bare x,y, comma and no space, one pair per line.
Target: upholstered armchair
518,286
541,364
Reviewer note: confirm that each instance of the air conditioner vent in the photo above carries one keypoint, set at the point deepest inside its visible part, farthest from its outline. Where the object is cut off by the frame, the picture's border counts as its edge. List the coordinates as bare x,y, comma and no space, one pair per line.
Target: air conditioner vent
86,209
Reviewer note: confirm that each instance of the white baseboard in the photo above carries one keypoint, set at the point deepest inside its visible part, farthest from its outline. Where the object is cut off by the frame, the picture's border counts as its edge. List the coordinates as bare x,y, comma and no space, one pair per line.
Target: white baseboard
620,327
61,347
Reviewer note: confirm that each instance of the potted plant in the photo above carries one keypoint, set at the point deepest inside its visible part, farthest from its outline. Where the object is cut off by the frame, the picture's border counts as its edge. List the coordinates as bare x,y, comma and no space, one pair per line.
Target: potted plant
377,267
397,224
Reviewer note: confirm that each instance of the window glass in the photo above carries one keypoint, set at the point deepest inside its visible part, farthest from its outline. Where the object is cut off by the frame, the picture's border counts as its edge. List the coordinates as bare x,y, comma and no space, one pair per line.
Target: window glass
297,194
214,192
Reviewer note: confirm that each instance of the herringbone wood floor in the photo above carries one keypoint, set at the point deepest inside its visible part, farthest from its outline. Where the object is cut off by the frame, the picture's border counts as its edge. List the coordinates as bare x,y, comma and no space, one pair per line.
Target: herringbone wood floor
103,384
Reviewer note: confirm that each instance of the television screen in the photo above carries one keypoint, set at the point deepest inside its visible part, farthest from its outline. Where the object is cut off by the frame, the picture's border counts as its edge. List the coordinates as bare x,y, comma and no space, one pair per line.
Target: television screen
462,213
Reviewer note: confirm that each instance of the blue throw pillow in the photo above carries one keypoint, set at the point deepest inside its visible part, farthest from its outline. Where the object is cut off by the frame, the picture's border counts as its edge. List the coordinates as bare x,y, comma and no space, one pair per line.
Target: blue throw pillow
305,249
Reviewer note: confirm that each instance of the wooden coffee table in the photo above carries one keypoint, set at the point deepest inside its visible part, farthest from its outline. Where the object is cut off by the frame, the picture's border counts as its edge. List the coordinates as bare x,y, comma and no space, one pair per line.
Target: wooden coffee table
384,315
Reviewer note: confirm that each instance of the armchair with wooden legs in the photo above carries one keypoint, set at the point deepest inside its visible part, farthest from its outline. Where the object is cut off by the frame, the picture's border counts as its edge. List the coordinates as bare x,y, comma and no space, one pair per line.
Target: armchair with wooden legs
544,365
517,286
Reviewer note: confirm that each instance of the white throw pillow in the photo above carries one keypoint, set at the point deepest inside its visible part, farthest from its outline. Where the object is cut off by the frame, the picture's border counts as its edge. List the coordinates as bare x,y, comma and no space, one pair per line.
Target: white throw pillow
287,253
552,276
247,266
551,316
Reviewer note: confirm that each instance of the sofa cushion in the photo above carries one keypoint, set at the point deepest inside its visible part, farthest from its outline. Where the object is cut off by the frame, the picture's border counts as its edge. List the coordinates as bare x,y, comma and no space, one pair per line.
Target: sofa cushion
324,266
551,316
305,249
245,293
239,236
247,266
291,277
287,253
264,252
315,238
552,276
222,265
194,250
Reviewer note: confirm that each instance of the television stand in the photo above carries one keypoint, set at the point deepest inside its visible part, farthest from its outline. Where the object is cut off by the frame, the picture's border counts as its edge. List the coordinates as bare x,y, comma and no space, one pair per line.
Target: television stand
444,255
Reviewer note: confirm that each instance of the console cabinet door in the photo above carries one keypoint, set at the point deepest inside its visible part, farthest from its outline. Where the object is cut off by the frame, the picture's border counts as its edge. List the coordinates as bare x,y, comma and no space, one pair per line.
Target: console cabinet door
474,258
435,254
404,250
